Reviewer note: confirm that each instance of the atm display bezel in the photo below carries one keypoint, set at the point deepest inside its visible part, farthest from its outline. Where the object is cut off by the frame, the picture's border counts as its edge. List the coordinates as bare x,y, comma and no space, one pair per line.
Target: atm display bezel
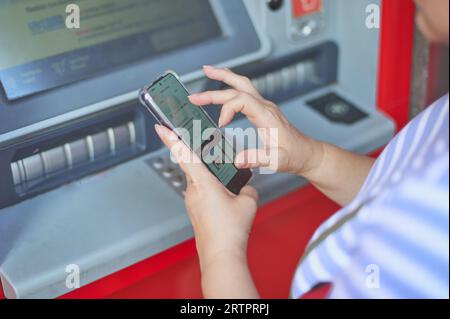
241,43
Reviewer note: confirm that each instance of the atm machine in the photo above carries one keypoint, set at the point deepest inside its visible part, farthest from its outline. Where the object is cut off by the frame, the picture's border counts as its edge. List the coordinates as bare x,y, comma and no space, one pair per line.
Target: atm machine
84,180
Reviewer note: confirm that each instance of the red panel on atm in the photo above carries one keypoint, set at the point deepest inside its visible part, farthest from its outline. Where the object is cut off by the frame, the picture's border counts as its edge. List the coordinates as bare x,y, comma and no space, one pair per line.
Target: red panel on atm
301,8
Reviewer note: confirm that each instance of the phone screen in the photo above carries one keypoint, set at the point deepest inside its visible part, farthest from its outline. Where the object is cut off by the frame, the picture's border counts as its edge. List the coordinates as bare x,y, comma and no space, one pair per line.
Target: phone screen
215,151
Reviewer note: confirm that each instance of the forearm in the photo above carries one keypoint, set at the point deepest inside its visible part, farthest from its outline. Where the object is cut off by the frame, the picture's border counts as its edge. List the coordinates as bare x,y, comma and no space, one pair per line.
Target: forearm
228,277
337,173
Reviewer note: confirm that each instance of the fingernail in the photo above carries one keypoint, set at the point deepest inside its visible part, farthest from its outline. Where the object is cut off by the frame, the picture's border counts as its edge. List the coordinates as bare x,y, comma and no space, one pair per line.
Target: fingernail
208,67
240,165
220,122
158,129
238,161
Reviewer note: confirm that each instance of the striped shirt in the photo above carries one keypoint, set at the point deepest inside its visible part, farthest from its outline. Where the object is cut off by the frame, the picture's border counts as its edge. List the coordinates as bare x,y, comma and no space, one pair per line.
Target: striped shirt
392,240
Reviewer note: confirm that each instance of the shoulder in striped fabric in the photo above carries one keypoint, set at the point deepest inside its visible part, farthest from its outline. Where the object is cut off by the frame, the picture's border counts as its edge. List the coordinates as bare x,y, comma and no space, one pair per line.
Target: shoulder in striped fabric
339,244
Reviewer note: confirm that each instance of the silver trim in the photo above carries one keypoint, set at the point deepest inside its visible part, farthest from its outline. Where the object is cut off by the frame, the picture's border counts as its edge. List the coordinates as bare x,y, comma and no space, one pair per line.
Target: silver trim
132,131
112,140
90,146
15,173
44,163
68,153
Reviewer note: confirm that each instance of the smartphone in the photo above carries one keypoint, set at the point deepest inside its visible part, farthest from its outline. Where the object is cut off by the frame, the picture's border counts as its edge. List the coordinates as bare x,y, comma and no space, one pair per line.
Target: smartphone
167,99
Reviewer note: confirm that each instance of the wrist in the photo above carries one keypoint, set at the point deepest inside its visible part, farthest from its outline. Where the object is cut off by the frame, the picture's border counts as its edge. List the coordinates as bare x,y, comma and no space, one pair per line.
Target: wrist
228,276
313,152
221,258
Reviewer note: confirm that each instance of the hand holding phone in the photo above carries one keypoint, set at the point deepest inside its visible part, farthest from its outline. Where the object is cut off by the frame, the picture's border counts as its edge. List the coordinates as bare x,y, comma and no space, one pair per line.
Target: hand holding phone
167,99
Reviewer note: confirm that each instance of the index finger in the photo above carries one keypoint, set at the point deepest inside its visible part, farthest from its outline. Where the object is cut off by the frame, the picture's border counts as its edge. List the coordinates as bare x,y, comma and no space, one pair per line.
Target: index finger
213,97
236,81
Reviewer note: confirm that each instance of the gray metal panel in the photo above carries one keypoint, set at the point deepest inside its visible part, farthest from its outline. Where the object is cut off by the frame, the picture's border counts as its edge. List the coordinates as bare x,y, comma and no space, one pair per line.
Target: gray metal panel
106,222
109,221
359,50
358,53
102,223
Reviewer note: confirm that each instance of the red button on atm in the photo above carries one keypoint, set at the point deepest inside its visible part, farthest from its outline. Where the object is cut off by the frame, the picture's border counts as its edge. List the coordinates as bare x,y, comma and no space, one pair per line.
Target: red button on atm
301,8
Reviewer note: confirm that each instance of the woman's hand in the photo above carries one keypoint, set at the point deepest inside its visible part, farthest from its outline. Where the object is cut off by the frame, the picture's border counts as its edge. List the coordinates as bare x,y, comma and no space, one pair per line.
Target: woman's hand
222,222
339,174
285,148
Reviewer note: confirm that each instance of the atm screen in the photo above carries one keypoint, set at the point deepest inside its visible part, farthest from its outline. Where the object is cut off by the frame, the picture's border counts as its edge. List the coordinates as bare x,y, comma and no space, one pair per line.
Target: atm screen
39,52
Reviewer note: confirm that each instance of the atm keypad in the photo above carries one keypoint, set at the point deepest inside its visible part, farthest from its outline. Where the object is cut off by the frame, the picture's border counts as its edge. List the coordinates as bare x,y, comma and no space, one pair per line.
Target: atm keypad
178,181
159,163
169,172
